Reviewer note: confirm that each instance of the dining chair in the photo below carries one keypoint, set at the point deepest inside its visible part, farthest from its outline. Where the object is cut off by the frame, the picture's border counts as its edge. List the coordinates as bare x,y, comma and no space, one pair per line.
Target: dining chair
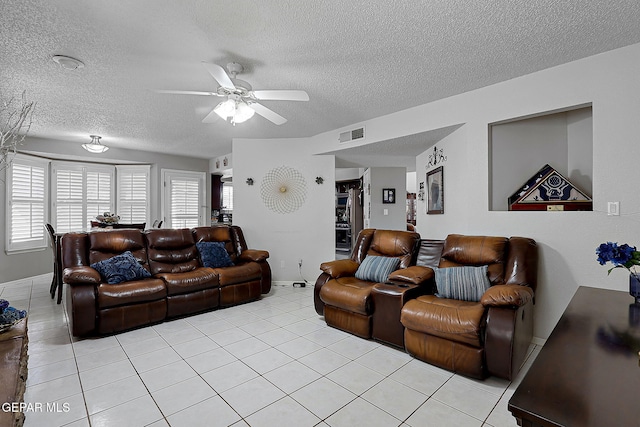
55,243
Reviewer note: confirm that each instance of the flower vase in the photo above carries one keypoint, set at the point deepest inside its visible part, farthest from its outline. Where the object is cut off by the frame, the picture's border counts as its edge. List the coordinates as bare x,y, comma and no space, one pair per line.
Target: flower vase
634,288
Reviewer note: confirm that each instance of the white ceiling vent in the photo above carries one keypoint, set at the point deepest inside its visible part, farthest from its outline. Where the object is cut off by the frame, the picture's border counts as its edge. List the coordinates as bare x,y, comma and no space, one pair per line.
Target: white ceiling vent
352,135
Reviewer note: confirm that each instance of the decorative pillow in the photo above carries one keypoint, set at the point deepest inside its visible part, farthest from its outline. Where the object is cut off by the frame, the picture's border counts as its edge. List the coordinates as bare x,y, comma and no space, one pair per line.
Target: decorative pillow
214,254
377,268
462,283
120,268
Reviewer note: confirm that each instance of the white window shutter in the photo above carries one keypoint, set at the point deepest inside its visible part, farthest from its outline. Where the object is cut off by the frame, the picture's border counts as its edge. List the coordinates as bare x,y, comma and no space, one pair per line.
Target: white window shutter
133,204
27,182
183,198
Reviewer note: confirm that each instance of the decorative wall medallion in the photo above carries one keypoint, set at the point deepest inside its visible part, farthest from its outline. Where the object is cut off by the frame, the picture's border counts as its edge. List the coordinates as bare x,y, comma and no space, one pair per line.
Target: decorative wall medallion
225,162
217,163
283,190
437,157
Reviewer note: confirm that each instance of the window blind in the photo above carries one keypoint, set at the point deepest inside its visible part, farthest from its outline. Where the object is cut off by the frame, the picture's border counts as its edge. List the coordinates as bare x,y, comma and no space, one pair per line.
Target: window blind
27,198
133,193
227,197
80,193
183,198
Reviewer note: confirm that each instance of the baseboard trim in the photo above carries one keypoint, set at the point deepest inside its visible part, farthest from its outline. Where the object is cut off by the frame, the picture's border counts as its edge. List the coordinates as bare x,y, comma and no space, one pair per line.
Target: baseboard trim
538,341
29,279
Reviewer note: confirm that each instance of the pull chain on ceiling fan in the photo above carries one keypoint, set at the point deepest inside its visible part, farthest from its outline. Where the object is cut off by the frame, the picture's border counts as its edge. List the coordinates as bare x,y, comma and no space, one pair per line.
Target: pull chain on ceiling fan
242,100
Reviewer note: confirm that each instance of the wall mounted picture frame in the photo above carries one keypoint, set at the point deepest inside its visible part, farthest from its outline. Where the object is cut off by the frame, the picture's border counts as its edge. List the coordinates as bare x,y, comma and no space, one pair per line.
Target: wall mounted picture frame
388,195
435,191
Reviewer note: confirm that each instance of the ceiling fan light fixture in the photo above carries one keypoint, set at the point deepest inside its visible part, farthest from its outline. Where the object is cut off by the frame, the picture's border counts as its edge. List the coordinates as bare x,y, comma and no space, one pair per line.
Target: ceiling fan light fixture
95,146
243,112
226,108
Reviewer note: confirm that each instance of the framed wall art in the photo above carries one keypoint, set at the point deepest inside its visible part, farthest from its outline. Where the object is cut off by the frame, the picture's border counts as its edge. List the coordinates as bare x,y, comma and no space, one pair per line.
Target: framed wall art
388,195
435,191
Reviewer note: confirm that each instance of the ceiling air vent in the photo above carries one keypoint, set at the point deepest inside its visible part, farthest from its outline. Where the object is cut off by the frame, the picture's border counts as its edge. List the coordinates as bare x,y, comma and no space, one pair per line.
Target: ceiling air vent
352,135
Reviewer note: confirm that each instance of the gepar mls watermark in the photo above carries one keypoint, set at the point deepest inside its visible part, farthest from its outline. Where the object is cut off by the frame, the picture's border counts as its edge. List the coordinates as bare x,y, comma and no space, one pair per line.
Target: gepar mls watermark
36,407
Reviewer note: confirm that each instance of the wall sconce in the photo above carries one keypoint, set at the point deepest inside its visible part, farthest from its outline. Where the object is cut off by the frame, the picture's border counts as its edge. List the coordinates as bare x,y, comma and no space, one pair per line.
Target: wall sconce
319,180
249,181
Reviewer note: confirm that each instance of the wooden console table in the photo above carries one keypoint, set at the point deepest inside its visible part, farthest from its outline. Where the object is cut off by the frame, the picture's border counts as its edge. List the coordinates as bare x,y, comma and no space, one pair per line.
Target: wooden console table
13,373
588,372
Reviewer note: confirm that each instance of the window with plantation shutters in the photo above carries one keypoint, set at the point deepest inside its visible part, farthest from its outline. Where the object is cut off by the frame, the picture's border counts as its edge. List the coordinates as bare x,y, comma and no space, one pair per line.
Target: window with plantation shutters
227,196
133,203
26,189
80,192
183,198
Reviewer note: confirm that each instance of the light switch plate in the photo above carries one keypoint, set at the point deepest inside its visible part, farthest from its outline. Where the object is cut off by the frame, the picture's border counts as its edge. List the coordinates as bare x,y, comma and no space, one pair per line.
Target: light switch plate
613,208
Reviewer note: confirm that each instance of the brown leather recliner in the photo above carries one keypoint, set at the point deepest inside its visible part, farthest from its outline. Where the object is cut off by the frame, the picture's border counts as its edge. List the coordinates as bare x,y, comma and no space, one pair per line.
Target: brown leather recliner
346,300
180,285
490,336
249,277
173,257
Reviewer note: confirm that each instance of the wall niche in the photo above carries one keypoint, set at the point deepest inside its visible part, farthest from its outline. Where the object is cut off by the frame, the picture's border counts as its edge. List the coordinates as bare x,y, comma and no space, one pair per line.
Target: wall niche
519,147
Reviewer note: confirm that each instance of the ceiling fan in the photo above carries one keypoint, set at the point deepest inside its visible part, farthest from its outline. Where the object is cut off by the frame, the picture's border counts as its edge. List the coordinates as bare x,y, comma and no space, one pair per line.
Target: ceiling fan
242,100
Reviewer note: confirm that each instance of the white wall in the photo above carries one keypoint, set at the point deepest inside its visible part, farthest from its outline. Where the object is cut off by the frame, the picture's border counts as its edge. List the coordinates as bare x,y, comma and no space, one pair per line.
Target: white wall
395,217
309,232
567,240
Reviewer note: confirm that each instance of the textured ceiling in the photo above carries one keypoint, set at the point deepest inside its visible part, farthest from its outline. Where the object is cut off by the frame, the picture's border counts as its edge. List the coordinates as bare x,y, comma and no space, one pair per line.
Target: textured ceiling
356,59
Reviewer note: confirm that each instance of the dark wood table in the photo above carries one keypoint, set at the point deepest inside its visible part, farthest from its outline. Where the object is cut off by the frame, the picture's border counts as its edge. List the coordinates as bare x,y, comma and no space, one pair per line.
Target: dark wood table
588,371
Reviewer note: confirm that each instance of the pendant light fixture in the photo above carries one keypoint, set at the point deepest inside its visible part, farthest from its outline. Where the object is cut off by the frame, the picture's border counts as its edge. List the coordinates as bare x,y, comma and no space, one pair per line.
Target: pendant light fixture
95,146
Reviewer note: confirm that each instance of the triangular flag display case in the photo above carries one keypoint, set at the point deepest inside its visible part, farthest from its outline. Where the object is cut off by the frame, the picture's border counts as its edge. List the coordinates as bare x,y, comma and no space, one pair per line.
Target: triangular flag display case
549,190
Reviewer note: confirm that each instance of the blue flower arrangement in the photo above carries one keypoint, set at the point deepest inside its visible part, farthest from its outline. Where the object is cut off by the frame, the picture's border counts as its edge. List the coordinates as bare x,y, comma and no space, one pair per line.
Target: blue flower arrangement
10,315
621,256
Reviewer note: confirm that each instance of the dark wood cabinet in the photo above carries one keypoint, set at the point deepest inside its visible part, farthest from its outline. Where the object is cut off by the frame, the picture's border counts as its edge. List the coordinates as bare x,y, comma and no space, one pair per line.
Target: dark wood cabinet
216,192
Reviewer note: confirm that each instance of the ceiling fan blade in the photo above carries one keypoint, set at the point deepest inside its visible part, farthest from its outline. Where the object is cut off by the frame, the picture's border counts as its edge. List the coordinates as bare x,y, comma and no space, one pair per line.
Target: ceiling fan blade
219,74
212,117
267,113
186,92
281,95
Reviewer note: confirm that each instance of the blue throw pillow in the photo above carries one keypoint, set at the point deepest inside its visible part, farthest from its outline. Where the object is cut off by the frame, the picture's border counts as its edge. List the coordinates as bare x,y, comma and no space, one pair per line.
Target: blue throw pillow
377,268
120,268
214,254
462,283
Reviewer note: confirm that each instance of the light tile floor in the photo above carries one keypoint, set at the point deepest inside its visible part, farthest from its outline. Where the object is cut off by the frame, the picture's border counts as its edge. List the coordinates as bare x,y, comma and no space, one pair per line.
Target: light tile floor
272,362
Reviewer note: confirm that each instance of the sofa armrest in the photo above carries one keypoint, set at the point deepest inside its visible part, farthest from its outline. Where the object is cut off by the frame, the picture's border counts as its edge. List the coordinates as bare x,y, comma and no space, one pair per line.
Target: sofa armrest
340,268
254,255
82,275
507,296
415,274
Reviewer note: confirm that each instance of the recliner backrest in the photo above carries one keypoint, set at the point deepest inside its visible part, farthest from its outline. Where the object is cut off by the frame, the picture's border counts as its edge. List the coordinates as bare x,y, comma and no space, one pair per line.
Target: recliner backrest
389,243
219,233
107,244
476,251
171,250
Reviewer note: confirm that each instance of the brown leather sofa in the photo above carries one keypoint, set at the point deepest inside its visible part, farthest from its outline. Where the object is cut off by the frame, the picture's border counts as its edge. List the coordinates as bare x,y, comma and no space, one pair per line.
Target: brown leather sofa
487,337
346,301
179,284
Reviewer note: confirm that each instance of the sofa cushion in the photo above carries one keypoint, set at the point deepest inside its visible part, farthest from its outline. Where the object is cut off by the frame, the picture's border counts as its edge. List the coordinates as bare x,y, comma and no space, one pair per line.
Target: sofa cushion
189,281
120,268
377,268
462,283
132,292
454,320
214,254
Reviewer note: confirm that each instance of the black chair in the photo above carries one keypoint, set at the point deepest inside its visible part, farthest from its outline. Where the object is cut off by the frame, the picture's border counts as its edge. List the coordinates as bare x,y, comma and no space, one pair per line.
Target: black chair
55,243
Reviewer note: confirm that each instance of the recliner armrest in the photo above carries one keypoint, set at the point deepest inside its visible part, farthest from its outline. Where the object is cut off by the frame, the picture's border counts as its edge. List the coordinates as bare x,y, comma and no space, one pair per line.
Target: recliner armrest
254,255
82,275
340,268
415,274
507,296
